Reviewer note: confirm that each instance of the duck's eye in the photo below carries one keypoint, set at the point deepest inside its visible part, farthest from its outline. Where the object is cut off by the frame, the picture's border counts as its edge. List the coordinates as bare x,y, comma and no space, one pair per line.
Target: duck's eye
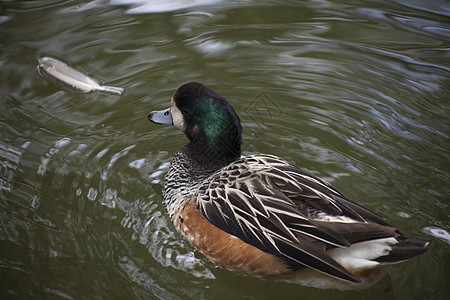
184,112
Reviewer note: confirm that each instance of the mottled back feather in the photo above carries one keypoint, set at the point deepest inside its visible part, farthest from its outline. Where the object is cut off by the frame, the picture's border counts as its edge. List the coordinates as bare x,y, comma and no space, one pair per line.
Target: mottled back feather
277,207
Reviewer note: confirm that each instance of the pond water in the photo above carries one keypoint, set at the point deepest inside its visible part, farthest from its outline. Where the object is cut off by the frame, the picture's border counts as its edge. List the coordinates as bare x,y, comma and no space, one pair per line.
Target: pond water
357,92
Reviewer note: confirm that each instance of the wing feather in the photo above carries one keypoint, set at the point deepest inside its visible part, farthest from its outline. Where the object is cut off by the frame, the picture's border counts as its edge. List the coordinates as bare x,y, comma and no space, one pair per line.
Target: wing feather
276,207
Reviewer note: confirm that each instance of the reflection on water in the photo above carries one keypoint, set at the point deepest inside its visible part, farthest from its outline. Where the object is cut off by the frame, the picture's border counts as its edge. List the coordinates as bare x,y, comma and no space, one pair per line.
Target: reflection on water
161,6
439,233
356,92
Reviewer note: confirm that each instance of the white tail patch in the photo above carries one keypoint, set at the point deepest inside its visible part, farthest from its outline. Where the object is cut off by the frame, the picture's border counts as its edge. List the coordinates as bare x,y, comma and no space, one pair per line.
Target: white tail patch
362,255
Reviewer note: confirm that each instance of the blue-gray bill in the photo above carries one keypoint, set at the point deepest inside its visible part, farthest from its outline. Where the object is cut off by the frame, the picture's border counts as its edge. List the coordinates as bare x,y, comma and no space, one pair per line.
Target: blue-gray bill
161,117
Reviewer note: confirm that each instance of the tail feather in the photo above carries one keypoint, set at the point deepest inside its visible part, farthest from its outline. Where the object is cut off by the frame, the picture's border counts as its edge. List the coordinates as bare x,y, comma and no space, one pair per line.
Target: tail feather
407,247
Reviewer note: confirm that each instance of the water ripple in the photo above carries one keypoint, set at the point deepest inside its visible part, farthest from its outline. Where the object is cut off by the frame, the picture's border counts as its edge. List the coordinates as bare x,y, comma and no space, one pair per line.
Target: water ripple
356,92
439,233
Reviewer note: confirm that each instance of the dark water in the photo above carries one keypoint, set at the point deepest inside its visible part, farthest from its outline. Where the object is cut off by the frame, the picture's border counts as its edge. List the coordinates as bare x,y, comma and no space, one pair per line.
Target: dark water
355,91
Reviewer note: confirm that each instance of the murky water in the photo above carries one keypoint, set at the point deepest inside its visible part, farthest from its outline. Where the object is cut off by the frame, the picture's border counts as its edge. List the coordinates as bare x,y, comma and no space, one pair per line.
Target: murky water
355,91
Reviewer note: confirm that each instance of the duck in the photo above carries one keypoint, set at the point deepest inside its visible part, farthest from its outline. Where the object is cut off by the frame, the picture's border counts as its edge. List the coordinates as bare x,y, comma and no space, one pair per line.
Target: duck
263,216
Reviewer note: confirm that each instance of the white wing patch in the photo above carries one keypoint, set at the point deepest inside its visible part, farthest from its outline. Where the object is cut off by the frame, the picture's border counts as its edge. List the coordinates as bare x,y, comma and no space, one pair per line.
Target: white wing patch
330,218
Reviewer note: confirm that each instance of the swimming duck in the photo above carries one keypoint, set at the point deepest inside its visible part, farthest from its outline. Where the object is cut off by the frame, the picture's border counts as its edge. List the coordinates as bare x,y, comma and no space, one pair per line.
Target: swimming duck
261,215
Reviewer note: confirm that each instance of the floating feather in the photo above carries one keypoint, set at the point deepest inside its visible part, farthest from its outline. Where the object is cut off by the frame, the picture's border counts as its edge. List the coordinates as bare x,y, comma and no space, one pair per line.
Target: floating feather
73,77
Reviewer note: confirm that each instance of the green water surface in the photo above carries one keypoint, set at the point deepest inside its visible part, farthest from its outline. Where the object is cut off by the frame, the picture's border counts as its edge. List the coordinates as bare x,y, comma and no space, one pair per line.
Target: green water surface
357,92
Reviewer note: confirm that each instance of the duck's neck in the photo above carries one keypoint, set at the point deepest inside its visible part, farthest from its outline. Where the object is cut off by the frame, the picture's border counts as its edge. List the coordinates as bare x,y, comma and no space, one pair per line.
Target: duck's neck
215,137
216,145
215,142
205,158
189,168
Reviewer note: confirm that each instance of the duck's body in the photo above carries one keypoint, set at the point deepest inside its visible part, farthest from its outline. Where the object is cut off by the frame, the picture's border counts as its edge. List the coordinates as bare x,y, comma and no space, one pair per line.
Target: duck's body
263,216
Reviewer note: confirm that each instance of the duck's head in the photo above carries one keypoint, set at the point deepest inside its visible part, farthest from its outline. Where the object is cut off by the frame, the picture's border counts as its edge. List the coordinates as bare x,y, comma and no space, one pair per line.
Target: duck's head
207,119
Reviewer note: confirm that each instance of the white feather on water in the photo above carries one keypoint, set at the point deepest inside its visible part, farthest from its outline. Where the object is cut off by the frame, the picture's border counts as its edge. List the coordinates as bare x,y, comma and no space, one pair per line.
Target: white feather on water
74,78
